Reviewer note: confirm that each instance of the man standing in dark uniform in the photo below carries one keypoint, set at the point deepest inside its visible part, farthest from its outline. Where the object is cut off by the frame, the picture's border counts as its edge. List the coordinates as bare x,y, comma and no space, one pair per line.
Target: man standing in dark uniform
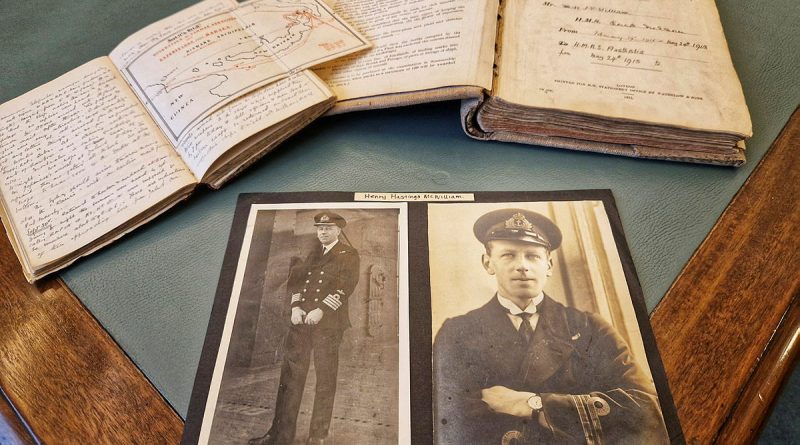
525,369
319,291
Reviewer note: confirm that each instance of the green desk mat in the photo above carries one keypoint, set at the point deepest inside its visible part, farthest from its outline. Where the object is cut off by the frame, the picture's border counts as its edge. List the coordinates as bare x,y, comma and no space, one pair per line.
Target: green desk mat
153,289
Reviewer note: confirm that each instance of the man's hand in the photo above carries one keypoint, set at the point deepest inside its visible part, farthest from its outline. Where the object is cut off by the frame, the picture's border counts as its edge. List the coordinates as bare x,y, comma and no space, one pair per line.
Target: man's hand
297,315
314,316
507,401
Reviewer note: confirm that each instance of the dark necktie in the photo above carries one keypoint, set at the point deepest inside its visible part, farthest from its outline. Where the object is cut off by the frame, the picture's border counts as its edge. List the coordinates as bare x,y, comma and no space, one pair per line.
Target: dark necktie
525,331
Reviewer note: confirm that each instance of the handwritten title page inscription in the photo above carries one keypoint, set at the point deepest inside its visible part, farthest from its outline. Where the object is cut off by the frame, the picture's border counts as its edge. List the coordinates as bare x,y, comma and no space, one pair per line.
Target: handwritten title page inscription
659,61
79,158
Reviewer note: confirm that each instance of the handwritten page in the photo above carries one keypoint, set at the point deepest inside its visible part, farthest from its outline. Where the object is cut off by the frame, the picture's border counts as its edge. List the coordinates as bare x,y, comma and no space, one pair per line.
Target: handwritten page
260,109
78,158
186,75
418,45
657,61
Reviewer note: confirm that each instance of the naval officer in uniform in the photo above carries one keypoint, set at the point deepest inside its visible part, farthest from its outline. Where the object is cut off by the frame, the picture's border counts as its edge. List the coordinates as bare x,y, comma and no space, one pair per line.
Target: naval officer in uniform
319,291
525,369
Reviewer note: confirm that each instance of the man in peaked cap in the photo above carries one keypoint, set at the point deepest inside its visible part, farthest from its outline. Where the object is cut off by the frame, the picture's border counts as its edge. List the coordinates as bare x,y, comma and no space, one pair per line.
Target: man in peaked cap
525,369
319,291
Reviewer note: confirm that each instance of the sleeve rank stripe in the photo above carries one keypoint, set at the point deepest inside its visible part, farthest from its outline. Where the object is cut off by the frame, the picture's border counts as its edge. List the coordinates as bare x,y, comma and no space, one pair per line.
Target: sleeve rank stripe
332,303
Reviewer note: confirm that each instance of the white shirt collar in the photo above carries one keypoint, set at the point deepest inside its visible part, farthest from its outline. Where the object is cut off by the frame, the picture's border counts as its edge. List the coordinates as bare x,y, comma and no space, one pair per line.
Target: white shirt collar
513,309
329,247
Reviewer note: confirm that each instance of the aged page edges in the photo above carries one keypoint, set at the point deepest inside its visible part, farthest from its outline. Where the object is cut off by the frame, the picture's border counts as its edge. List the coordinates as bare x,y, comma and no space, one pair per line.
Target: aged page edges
469,122
734,130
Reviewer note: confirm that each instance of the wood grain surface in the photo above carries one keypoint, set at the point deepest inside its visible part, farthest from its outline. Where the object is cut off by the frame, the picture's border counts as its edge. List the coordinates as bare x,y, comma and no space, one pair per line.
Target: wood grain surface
744,424
716,320
65,375
72,384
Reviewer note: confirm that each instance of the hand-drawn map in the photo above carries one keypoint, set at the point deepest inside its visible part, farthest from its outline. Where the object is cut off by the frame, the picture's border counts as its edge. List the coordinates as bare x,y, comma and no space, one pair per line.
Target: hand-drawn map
196,70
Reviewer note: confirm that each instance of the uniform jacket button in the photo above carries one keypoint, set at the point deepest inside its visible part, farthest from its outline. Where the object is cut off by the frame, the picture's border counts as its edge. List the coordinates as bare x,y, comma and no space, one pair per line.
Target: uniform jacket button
320,281
316,299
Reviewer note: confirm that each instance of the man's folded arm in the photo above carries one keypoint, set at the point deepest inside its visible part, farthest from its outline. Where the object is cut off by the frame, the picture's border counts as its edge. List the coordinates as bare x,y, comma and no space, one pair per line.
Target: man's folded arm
458,406
622,407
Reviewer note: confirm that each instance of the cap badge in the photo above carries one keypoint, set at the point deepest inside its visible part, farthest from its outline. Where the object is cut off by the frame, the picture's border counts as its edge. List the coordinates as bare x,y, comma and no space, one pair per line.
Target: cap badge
518,221
324,218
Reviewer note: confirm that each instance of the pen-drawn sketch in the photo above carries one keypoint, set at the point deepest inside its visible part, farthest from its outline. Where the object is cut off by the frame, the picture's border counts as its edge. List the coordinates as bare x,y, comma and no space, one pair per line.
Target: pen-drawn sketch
197,68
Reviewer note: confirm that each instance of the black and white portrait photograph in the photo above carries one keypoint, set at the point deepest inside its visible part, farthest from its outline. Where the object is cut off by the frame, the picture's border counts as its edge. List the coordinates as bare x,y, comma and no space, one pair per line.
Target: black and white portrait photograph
535,336
314,348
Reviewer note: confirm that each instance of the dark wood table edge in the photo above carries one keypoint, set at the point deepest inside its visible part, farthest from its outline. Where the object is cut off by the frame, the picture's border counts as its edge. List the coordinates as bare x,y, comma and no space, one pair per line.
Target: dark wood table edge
65,377
757,398
111,401
698,296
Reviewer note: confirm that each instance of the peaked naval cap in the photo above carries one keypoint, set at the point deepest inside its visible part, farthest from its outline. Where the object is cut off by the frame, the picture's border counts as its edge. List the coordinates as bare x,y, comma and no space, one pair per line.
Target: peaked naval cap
517,225
329,219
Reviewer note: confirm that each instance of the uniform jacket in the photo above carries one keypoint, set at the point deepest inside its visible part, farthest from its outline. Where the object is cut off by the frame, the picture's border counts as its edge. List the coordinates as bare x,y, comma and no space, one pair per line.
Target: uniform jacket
573,360
326,282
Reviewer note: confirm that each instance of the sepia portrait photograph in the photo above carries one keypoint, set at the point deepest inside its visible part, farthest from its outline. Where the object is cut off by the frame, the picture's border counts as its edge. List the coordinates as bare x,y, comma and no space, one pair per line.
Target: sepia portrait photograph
535,335
314,347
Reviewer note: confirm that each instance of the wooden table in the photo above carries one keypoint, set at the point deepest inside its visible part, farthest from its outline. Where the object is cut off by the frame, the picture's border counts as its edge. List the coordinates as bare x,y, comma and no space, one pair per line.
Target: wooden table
727,331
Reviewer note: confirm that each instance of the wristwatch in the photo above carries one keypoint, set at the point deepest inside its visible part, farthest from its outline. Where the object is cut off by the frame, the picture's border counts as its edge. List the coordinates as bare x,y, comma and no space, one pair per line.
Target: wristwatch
535,402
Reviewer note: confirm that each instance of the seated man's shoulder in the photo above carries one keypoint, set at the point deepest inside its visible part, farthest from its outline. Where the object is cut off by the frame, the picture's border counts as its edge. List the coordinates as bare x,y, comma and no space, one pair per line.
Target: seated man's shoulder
468,323
345,249
578,319
465,319
556,309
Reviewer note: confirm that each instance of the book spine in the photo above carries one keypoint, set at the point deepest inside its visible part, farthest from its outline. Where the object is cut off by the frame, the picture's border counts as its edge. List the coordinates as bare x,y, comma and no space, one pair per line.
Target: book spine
498,43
